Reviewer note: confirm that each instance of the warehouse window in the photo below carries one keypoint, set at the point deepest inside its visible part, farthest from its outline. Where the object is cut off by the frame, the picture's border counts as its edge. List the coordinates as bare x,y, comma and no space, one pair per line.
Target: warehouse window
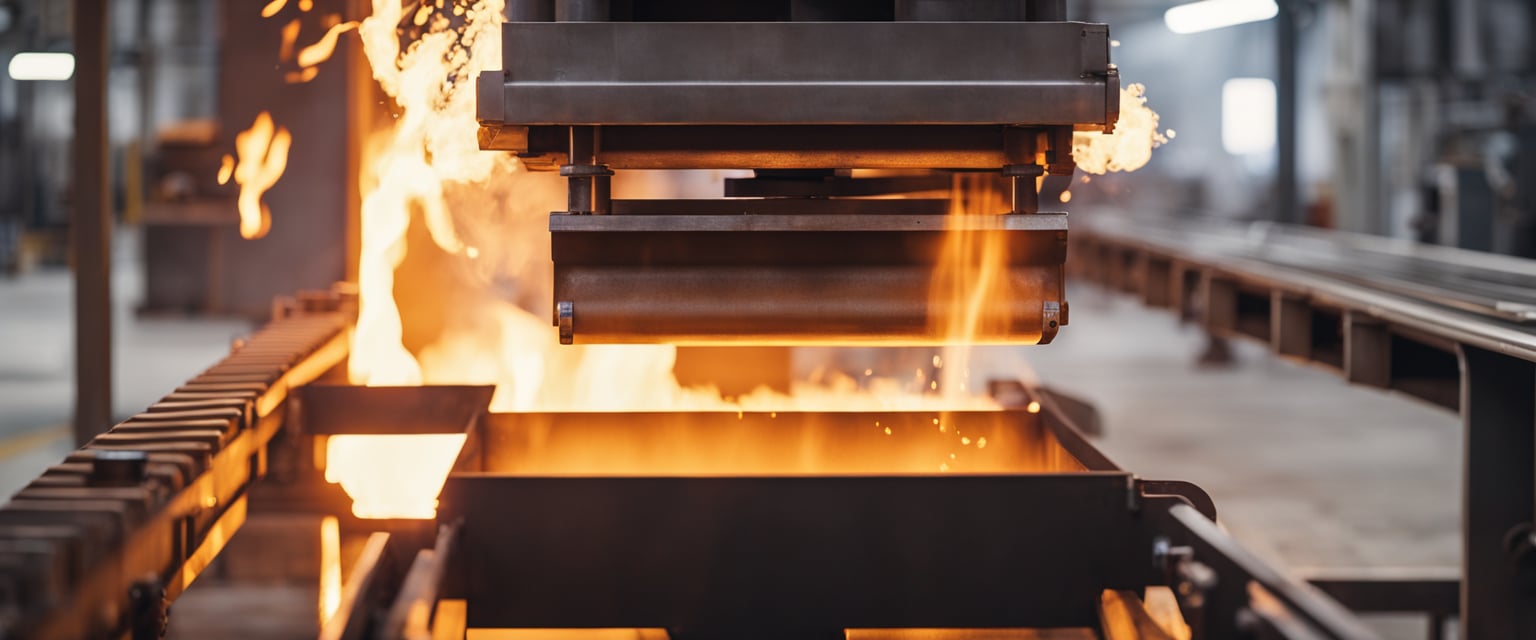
1248,116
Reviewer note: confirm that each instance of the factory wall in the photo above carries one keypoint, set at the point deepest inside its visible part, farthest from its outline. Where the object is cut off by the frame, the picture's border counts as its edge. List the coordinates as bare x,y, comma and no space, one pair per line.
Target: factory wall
1184,75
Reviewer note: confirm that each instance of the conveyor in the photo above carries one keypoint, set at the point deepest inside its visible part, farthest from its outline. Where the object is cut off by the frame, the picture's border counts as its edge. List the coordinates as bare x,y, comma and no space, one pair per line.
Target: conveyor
1444,325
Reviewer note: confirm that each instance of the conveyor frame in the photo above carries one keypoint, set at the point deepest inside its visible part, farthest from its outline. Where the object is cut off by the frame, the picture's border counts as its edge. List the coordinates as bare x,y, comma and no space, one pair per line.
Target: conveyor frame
1437,342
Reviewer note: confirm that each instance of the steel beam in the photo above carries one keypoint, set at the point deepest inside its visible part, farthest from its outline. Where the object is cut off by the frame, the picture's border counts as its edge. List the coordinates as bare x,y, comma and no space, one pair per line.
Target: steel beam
760,73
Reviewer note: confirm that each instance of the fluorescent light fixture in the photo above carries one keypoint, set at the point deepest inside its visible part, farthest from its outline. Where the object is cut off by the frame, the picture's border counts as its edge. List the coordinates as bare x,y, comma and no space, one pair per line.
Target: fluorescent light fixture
1215,14
36,65
1248,116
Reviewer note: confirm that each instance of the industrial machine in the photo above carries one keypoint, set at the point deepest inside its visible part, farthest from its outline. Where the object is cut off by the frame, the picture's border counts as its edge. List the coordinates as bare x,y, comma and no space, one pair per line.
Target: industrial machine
711,524
809,95
692,525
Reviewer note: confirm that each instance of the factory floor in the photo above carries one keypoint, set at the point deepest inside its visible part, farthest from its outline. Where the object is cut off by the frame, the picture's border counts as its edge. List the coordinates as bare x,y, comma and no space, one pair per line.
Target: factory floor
1305,470
151,356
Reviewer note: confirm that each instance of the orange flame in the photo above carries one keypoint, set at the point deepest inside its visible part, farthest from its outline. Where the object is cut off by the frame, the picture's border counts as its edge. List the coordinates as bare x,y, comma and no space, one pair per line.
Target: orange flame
226,168
321,50
273,7
301,76
290,36
263,152
970,287
487,212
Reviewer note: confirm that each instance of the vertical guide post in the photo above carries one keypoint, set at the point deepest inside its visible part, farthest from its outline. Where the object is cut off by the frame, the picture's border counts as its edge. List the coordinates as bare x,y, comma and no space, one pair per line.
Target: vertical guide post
91,225
1498,410
1286,200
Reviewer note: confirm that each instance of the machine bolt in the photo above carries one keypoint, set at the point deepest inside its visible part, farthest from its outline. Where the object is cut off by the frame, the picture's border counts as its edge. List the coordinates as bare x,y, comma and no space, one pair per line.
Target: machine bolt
148,610
118,468
565,318
1520,544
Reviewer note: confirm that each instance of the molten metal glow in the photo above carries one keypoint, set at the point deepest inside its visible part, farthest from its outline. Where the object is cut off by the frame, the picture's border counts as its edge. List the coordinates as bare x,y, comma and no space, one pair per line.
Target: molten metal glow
392,476
1127,149
263,151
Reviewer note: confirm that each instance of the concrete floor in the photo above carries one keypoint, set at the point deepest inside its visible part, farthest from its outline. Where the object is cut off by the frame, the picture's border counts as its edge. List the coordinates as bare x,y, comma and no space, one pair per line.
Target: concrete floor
152,356
1305,470
1303,467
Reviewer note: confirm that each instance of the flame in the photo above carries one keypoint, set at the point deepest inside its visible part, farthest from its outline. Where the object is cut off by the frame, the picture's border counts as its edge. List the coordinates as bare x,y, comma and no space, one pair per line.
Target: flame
321,50
226,168
430,155
488,213
290,36
392,476
1127,149
273,7
970,284
263,152
301,76
306,5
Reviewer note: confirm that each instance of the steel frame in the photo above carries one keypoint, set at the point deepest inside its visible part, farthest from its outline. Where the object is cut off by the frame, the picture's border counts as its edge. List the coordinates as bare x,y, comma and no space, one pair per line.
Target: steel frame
1443,341
720,556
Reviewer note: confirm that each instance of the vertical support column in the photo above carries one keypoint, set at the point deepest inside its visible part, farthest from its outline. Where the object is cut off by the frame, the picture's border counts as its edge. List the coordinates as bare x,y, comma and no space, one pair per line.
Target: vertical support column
1020,145
1286,200
1218,312
1498,412
1367,148
1156,281
582,153
1367,351
588,184
1290,325
91,225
